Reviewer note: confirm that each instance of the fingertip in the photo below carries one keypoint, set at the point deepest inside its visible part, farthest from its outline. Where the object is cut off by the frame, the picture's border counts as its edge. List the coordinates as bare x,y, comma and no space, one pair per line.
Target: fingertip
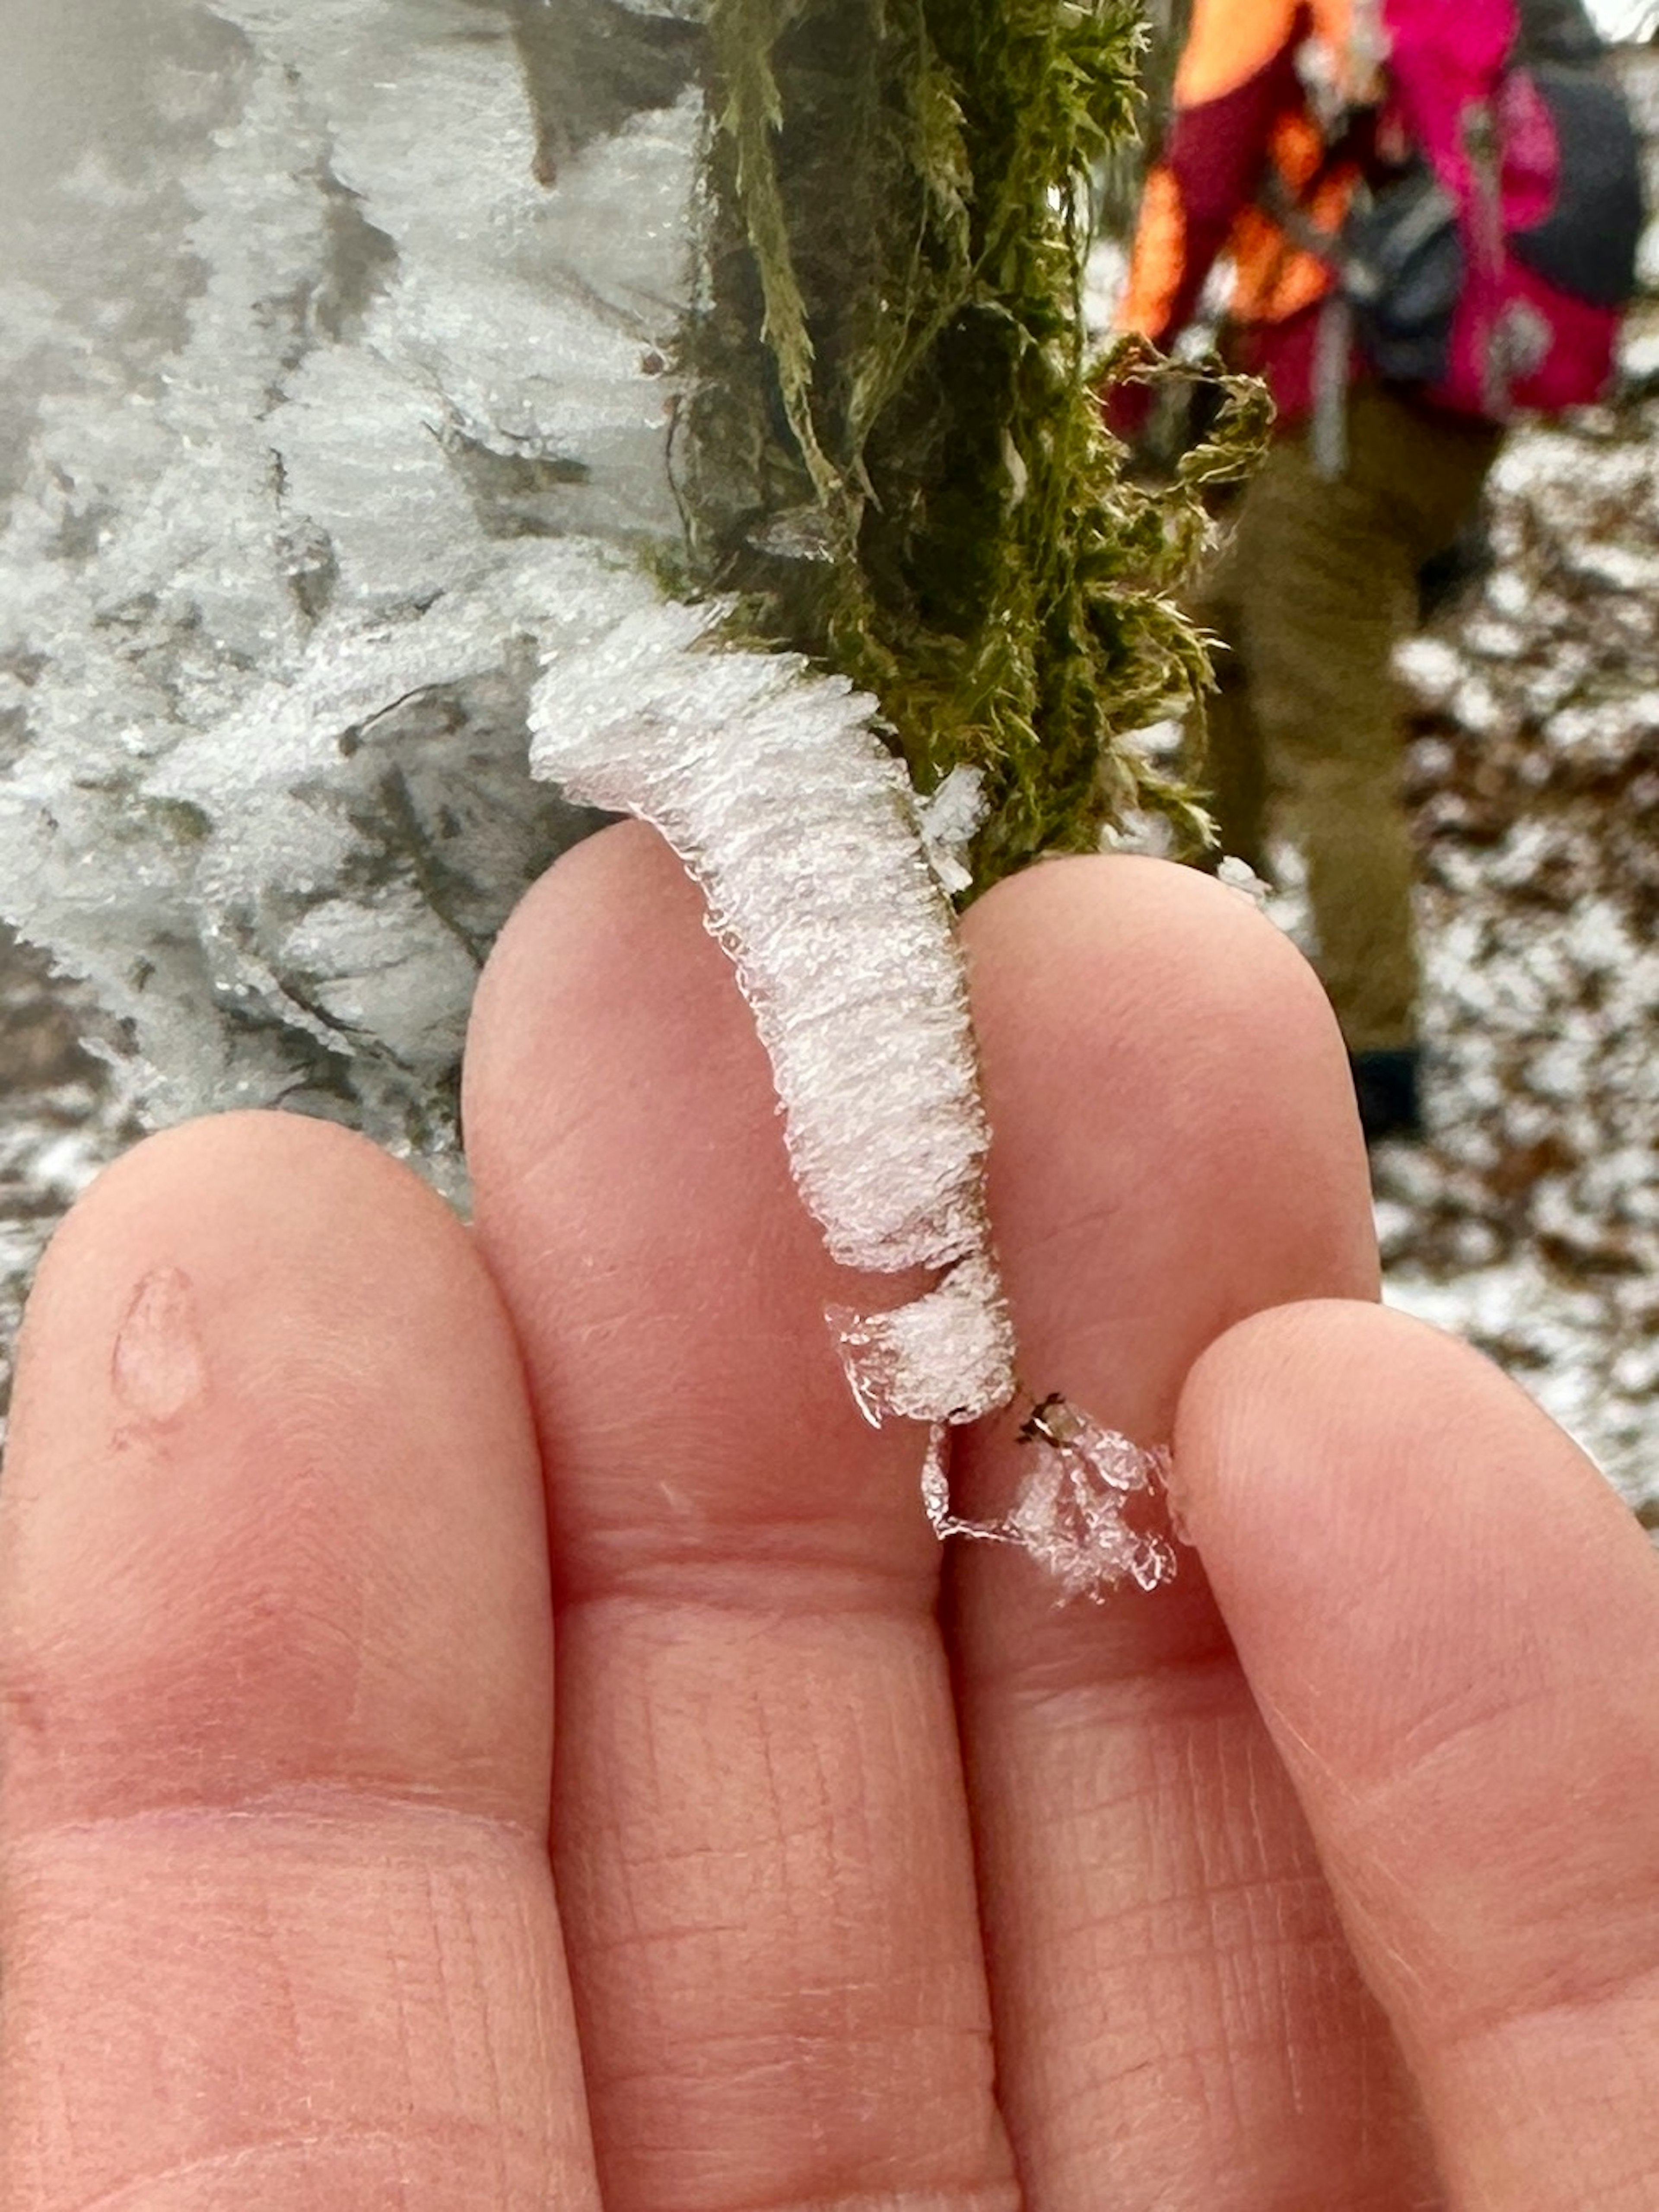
1175,1136
270,1469
580,955
221,1193
1177,992
1175,1146
195,1169
275,1702
1450,1624
1330,1447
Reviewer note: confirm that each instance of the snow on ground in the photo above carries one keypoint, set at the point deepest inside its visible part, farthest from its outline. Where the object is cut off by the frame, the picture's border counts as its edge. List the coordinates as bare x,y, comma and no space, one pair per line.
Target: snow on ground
1622,19
1530,1222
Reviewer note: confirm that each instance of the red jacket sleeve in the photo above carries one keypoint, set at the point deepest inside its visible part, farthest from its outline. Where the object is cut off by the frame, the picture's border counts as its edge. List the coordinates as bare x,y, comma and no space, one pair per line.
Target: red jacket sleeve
1238,79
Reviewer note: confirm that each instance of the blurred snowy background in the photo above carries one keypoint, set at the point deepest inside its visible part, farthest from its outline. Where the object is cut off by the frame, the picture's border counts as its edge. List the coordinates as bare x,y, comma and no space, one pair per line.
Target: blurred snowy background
1529,1223
309,404
1623,19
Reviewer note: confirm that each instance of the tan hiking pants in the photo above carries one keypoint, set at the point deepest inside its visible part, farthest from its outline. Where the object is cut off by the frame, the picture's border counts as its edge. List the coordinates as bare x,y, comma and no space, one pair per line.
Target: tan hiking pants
1314,590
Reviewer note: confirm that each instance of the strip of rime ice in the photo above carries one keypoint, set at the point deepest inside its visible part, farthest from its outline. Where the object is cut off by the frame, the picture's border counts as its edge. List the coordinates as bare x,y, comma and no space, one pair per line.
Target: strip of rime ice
813,854
802,833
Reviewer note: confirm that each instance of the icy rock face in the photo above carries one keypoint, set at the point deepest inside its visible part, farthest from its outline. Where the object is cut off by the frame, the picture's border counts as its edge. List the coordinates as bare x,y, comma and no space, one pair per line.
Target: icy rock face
331,422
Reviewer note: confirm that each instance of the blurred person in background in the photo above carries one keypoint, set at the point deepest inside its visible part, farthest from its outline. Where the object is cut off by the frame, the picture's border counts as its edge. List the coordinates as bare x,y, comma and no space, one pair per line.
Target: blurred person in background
1431,218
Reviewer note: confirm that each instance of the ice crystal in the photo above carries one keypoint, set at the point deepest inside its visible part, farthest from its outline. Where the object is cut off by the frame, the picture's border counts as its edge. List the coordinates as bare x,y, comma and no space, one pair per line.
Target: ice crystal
949,818
960,1330
802,831
1071,1512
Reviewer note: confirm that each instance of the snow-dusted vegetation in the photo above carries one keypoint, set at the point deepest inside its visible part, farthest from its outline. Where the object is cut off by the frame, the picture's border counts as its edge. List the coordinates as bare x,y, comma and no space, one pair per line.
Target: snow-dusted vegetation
1530,1221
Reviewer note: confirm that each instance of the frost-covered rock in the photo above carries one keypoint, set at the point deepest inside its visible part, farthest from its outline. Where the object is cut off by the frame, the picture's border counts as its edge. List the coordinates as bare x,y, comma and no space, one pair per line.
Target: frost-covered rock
351,416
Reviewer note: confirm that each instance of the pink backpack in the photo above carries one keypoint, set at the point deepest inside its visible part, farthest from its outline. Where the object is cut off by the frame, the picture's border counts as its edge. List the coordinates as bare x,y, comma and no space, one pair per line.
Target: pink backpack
1489,264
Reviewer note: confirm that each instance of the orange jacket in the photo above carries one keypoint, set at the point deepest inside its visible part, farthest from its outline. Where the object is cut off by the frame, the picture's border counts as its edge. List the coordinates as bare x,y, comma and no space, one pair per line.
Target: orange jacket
1253,75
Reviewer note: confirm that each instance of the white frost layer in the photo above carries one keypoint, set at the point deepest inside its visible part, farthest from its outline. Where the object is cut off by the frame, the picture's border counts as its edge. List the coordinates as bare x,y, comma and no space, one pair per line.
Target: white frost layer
802,831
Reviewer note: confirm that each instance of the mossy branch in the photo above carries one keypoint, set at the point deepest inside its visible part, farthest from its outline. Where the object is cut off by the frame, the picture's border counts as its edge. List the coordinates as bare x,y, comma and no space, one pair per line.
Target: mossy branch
895,453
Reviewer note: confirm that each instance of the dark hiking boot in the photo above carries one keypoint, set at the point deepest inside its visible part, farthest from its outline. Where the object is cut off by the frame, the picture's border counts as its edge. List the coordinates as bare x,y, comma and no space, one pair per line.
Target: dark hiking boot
1386,1087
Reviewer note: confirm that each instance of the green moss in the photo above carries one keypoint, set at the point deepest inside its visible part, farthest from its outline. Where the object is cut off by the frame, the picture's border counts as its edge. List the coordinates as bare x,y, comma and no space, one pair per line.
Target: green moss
893,451
178,819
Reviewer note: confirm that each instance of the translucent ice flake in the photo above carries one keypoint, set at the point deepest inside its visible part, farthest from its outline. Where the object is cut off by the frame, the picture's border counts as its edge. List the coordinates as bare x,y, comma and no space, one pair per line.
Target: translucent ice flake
1069,1514
961,1328
936,1496
1239,876
949,817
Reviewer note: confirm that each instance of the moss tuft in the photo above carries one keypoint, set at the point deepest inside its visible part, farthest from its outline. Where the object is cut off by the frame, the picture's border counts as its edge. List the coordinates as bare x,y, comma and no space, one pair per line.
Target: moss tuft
892,451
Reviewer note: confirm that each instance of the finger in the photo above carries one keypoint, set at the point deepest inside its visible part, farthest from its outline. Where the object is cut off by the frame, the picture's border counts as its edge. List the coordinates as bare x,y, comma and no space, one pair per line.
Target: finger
275,1651
1175,1146
760,1846
1452,1625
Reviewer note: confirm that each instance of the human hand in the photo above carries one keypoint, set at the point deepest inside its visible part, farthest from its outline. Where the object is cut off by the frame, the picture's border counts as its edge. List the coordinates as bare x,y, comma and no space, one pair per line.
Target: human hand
856,1897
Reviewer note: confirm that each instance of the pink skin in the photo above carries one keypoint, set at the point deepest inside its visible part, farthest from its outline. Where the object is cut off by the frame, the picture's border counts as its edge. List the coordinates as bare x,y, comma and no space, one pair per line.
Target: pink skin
1327,1878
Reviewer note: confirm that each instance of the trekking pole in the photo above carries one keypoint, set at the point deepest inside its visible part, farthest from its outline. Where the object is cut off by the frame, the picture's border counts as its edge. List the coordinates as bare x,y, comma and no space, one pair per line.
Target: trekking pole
1482,151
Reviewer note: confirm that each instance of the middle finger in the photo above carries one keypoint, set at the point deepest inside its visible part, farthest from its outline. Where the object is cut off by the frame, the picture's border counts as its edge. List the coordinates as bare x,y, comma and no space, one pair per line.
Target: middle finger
761,1845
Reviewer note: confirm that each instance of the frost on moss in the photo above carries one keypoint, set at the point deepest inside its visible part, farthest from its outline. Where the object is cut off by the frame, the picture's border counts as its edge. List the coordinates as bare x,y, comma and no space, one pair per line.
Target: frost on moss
891,448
